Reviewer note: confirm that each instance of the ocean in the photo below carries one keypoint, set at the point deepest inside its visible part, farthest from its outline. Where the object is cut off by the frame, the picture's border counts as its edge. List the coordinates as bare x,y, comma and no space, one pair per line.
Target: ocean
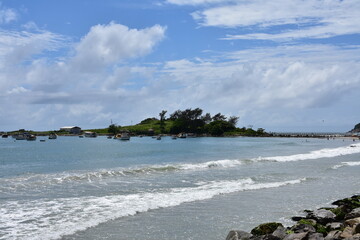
193,188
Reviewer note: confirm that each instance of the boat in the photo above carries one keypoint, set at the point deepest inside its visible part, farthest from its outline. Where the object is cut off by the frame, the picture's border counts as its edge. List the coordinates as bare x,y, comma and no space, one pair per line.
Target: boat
158,137
52,136
124,136
20,136
181,135
81,136
31,137
173,137
109,137
91,134
5,135
42,140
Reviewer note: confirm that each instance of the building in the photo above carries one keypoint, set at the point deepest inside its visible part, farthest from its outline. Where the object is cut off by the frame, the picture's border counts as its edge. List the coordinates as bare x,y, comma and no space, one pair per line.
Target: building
71,129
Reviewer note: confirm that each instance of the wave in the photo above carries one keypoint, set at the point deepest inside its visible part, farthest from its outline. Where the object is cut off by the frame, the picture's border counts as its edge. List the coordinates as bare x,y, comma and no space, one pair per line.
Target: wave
30,180
52,219
322,153
344,164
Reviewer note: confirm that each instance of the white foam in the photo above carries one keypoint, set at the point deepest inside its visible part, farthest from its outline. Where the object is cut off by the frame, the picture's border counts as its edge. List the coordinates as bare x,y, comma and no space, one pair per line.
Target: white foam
51,219
344,164
322,153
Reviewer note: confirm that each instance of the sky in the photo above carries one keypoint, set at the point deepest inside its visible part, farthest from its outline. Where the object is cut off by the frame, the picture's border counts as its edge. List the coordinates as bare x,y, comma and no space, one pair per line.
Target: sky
285,66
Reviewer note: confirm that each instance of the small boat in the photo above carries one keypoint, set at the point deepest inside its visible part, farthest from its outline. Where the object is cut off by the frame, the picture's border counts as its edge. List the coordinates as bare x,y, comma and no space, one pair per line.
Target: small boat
173,137
52,136
81,136
181,135
20,137
109,137
91,134
31,137
158,137
125,136
42,140
5,136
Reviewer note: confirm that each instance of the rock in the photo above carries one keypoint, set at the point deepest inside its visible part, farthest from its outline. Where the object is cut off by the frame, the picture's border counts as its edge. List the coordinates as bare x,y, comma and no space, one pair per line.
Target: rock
280,232
334,226
238,235
333,235
340,212
347,233
349,203
357,228
322,216
265,228
355,213
296,236
352,222
316,236
299,228
296,218
355,237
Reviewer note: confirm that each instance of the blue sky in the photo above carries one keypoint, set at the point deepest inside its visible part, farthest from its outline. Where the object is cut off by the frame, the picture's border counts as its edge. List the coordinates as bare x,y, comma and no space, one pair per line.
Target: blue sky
279,65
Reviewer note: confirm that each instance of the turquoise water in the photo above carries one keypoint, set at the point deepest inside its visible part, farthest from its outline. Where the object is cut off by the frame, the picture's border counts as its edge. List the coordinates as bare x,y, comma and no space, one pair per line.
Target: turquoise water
99,188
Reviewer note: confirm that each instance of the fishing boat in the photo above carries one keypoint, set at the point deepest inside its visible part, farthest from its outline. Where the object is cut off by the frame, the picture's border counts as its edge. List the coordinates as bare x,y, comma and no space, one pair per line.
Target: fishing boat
52,136
90,134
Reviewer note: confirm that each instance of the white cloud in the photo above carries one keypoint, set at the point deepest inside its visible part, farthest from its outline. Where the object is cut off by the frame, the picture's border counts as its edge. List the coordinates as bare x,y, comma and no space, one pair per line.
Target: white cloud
112,43
298,18
196,2
7,15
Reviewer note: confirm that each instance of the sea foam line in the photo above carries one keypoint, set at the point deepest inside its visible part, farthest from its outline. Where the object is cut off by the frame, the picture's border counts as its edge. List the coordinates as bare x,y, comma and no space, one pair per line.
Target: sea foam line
32,180
322,153
343,164
51,219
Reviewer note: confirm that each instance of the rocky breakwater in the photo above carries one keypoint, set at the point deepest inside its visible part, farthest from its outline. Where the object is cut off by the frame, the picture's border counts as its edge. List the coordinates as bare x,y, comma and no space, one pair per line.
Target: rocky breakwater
341,222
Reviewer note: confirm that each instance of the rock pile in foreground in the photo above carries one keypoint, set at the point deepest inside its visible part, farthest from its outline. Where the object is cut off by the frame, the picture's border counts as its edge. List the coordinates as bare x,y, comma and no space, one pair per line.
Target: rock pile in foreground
341,222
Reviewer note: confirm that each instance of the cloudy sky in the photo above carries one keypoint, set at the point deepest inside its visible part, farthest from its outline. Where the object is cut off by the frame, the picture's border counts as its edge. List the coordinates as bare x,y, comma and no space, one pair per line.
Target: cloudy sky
280,65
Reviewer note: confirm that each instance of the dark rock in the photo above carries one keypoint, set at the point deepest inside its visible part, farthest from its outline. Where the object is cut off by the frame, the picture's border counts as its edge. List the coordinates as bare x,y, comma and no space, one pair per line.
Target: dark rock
353,214
315,236
296,218
349,203
340,212
322,216
280,232
357,228
265,228
299,228
238,235
296,236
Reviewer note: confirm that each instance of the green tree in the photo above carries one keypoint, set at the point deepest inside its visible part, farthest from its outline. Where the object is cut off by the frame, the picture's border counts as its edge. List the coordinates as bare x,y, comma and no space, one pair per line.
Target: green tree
162,120
113,129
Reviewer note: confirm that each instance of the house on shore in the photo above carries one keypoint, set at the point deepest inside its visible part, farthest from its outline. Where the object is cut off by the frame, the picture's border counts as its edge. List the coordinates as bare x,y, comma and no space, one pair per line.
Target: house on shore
71,129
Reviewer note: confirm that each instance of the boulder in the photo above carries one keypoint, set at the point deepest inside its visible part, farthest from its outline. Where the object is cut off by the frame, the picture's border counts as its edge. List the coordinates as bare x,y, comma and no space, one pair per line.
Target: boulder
355,213
322,216
238,235
280,232
334,226
315,236
296,236
352,222
265,228
347,233
357,229
299,228
333,235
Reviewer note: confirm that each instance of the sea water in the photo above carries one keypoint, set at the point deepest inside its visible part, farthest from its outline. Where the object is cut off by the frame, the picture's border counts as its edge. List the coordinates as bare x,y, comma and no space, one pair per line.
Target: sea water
194,188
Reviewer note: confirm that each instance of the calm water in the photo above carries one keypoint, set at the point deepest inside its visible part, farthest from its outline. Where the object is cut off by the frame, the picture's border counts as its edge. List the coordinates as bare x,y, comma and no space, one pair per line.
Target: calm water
196,188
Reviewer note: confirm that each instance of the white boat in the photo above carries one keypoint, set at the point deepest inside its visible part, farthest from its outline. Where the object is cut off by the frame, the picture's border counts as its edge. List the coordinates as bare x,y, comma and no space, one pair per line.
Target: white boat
182,135
90,134
31,137
125,136
52,136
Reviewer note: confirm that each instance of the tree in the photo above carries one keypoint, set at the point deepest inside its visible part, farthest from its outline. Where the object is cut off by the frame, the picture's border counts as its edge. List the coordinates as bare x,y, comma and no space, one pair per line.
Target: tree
219,117
206,118
162,120
113,129
233,120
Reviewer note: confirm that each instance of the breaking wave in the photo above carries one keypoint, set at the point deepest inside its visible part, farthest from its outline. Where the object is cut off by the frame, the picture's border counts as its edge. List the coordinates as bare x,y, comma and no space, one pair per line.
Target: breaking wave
51,219
322,153
344,164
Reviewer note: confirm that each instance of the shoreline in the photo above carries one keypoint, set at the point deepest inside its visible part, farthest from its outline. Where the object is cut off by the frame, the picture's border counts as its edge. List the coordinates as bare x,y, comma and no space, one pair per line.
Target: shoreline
326,223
